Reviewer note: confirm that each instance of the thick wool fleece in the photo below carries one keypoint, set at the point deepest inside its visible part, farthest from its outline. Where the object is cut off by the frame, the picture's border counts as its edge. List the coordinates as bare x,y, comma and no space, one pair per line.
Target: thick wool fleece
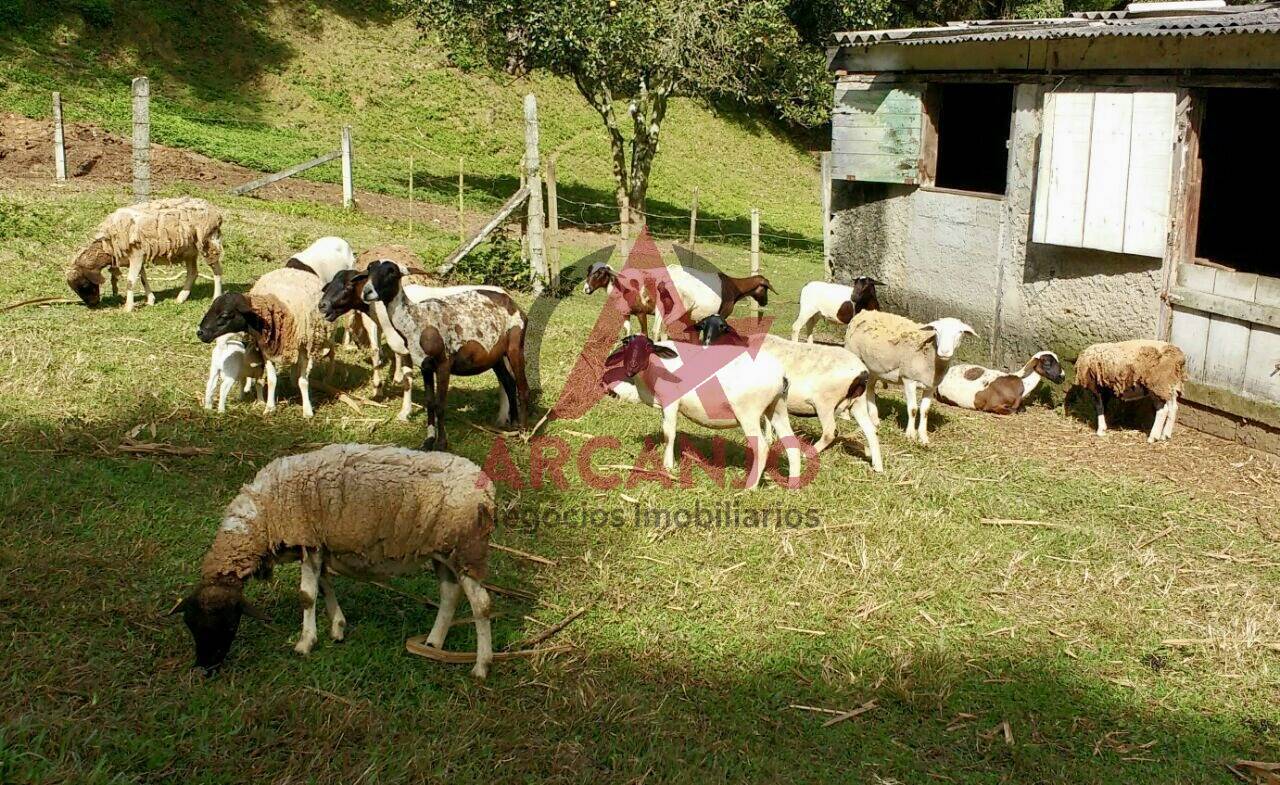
288,302
379,503
1156,365
164,230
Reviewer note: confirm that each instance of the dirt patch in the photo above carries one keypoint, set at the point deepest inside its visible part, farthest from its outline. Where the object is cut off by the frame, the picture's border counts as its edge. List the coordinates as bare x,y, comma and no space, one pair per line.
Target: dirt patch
95,156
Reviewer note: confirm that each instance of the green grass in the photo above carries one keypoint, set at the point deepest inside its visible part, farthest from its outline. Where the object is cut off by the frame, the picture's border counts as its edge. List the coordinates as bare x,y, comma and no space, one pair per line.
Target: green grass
269,85
684,668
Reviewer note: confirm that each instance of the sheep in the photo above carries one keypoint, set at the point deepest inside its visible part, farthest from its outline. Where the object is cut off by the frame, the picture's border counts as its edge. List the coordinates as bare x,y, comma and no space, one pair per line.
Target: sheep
897,349
822,381
1135,369
343,294
466,333
281,314
697,293
833,302
997,392
236,362
174,231
324,258
722,387
366,512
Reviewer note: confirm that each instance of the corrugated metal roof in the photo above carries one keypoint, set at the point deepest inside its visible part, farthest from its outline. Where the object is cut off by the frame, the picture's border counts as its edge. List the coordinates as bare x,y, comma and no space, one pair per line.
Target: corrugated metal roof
1233,20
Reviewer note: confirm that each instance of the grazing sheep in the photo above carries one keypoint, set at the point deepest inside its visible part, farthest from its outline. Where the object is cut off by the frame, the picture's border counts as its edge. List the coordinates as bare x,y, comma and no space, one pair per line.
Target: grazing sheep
734,387
833,302
361,511
466,333
897,349
168,231
281,314
236,362
324,258
997,392
1130,370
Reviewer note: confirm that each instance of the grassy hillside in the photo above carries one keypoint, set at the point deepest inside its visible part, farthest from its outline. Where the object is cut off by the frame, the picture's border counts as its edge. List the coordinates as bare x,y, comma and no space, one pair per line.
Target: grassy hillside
270,84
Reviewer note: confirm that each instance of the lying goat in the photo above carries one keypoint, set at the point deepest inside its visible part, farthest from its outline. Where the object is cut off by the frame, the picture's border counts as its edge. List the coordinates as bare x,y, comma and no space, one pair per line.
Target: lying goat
997,392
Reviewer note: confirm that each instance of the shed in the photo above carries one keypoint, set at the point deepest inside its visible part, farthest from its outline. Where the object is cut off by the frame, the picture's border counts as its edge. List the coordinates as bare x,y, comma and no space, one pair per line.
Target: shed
1057,182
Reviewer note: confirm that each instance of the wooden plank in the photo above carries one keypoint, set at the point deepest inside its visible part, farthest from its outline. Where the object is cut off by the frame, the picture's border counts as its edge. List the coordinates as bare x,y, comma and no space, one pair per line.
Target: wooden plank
1246,407
1190,328
1068,168
929,135
467,247
879,169
876,133
59,148
1150,173
254,185
824,196
1109,145
536,216
870,133
1229,307
141,139
348,181
1260,378
1229,337
1040,210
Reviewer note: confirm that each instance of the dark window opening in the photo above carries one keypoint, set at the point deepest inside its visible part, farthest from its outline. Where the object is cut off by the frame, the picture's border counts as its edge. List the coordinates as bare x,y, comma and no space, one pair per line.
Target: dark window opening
973,122
1239,166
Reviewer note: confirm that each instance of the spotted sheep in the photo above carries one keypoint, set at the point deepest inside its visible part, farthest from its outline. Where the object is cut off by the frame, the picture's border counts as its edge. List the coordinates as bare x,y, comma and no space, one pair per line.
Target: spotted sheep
833,302
997,392
464,333
367,512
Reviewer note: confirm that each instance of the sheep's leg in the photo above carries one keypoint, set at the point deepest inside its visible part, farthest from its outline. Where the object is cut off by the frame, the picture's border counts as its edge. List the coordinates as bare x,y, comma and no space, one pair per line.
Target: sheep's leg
405,374
443,371
1171,419
369,329
429,404
146,287
909,393
270,370
304,381
212,381
1101,407
191,280
643,318
337,619
756,445
227,384
135,270
1157,427
506,393
478,596
922,417
803,327
827,419
782,425
862,414
515,354
307,592
115,280
450,591
213,256
670,417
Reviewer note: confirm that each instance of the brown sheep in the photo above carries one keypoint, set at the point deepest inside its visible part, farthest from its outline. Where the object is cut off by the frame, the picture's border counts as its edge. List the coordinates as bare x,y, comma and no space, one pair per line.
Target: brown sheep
1135,369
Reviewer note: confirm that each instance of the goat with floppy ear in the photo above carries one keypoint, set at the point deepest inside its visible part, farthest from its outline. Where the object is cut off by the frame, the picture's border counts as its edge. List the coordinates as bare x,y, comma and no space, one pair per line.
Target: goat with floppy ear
833,302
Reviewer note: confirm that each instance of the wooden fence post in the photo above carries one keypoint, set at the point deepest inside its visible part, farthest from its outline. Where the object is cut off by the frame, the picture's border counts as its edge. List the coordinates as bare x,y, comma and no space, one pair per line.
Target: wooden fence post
625,226
462,219
755,248
141,139
825,191
59,149
522,226
693,220
348,189
537,216
553,225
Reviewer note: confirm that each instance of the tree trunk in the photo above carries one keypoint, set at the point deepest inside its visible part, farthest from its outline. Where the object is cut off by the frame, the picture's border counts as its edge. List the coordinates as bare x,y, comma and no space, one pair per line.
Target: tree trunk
601,99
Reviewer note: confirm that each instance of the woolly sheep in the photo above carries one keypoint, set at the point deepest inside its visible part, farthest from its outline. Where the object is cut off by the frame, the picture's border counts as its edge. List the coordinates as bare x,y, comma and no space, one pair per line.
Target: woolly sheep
236,362
361,511
1135,369
836,303
997,392
169,231
281,314
897,349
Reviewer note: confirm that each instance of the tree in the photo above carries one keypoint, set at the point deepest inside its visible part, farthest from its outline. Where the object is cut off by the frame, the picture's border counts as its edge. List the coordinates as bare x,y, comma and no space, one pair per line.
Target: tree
643,52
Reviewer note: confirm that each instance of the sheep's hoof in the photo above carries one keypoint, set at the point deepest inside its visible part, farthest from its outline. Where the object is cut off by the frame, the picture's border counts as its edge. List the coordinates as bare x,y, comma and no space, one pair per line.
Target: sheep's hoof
182,297
338,631
480,672
303,646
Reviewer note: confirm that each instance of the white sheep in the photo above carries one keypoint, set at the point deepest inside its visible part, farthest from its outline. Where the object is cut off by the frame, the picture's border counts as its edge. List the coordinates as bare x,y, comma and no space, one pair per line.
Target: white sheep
1130,370
281,313
897,349
172,231
997,392
325,258
836,303
361,511
716,387
235,362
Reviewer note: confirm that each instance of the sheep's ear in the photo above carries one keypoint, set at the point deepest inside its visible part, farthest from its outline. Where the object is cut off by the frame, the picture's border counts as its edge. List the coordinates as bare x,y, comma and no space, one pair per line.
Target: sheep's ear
96,276
181,605
252,319
931,335
878,283
966,329
665,352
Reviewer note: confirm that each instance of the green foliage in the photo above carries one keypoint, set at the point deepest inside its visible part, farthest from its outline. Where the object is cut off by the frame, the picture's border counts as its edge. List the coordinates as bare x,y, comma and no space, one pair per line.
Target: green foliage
496,262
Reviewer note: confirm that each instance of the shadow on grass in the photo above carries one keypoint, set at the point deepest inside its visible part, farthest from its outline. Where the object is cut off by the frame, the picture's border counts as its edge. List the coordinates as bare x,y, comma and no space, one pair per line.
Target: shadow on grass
99,543
1137,415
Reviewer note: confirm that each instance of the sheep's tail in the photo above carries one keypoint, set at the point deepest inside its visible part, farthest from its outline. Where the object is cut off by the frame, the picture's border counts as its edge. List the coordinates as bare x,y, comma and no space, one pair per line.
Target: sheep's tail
857,387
